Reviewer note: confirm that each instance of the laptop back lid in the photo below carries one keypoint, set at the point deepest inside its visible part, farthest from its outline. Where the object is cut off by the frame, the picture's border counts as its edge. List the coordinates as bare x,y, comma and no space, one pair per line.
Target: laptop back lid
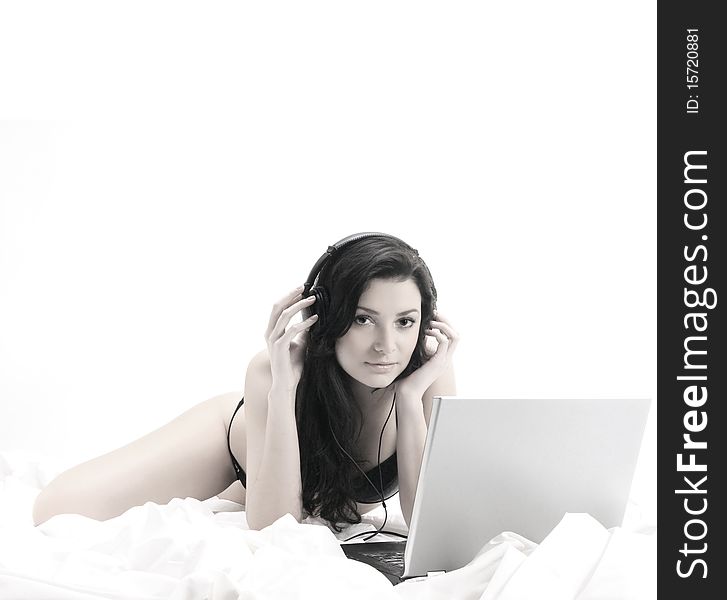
494,465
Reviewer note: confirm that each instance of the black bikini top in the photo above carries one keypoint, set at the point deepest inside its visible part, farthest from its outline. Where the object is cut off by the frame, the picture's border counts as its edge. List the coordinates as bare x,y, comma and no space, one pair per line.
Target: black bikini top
365,493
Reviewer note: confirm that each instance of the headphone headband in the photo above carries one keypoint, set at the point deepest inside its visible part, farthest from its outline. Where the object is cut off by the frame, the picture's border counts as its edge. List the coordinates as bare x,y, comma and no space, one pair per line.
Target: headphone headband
332,250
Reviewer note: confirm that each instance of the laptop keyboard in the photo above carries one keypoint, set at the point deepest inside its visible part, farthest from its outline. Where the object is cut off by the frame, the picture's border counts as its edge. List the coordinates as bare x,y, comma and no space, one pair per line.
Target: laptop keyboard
386,557
393,558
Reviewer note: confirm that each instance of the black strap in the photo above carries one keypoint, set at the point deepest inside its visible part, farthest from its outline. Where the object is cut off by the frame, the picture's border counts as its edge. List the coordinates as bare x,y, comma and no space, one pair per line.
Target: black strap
238,469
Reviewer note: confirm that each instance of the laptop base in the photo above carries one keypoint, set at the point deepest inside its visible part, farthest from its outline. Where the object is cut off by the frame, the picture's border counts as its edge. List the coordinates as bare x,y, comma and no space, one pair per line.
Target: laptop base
385,557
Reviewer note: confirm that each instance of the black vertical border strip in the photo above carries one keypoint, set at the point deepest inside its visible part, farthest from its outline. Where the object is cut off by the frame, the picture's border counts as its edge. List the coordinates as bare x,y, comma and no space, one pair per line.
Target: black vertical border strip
679,132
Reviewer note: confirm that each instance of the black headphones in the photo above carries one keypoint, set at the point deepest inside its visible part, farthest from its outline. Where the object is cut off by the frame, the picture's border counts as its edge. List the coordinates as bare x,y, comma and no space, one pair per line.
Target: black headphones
321,306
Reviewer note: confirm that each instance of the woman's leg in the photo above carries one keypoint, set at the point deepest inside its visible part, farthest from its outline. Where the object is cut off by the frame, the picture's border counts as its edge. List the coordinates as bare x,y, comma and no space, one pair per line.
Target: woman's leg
186,457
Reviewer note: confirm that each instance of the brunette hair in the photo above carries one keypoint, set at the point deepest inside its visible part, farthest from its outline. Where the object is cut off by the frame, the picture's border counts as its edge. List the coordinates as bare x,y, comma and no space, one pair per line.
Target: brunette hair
324,400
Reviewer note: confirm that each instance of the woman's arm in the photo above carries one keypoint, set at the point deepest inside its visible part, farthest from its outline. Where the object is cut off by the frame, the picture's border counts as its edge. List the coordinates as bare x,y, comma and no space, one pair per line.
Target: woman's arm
273,459
413,413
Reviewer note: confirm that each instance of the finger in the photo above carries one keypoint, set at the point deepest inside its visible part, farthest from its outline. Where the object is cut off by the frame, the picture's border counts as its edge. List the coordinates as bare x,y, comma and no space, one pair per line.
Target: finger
281,305
439,334
440,318
296,329
287,315
441,337
447,344
430,345
445,328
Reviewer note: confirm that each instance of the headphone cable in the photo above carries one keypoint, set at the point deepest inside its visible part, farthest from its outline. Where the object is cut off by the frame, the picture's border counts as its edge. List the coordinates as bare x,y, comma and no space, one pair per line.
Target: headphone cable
381,477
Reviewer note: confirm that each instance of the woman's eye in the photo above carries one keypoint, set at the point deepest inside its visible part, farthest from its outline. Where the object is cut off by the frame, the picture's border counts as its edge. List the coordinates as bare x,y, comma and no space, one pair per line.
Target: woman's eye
404,323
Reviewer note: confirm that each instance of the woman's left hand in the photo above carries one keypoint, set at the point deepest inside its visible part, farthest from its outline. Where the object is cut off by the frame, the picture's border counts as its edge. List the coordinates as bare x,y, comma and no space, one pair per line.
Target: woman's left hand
418,382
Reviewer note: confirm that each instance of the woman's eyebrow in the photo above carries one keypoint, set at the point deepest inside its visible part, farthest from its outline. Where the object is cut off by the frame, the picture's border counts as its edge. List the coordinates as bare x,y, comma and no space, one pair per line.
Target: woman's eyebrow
401,314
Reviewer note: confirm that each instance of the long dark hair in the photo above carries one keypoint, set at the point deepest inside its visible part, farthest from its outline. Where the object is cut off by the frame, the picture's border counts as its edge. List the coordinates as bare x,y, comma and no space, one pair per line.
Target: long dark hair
324,399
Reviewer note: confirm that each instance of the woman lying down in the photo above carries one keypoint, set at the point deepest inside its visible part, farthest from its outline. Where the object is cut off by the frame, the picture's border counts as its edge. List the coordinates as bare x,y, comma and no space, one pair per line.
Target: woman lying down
308,435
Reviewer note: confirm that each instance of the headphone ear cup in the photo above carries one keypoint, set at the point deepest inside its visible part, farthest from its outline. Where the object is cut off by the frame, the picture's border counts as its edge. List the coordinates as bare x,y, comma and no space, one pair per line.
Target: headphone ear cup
321,306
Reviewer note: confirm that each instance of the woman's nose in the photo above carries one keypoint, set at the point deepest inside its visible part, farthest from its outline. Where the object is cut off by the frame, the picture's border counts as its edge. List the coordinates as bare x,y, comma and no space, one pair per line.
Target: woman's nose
384,342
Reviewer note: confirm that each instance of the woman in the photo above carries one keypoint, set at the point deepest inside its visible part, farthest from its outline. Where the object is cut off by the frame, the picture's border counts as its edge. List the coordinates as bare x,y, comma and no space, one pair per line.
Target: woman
315,419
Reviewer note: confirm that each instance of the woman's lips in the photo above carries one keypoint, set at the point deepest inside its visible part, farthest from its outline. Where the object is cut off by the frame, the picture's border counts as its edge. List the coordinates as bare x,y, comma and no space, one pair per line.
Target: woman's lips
381,367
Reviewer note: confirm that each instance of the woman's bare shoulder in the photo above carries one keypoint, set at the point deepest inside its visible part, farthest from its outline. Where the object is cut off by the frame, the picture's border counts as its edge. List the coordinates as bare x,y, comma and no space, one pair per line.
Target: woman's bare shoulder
258,377
260,362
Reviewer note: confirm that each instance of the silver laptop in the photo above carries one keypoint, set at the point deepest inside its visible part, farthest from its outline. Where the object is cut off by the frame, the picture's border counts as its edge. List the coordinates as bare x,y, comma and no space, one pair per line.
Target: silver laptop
494,465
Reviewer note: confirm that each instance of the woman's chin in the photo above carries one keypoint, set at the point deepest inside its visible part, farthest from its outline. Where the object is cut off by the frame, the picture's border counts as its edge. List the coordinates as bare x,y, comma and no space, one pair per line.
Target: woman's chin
376,381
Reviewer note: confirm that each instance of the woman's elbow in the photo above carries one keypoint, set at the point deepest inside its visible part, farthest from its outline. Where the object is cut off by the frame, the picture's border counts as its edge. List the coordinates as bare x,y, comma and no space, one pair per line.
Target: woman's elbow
258,524
257,521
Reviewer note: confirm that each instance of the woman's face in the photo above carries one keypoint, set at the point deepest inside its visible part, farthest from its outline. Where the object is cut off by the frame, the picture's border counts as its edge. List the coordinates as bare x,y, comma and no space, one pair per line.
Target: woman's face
384,332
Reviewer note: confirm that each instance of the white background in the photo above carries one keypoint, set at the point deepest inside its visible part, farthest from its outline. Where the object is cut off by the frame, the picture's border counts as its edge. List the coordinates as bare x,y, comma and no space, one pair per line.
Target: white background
167,171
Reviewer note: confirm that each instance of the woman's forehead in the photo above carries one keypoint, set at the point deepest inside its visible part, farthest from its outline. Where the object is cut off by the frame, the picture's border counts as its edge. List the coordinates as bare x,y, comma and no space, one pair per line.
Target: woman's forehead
391,296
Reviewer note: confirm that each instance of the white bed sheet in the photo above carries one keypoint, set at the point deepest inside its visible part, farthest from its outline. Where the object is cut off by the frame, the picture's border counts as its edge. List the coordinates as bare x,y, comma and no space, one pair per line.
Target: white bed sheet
189,549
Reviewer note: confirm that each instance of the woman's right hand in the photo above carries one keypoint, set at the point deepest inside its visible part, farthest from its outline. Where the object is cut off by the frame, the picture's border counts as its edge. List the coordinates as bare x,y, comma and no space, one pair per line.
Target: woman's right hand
286,345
